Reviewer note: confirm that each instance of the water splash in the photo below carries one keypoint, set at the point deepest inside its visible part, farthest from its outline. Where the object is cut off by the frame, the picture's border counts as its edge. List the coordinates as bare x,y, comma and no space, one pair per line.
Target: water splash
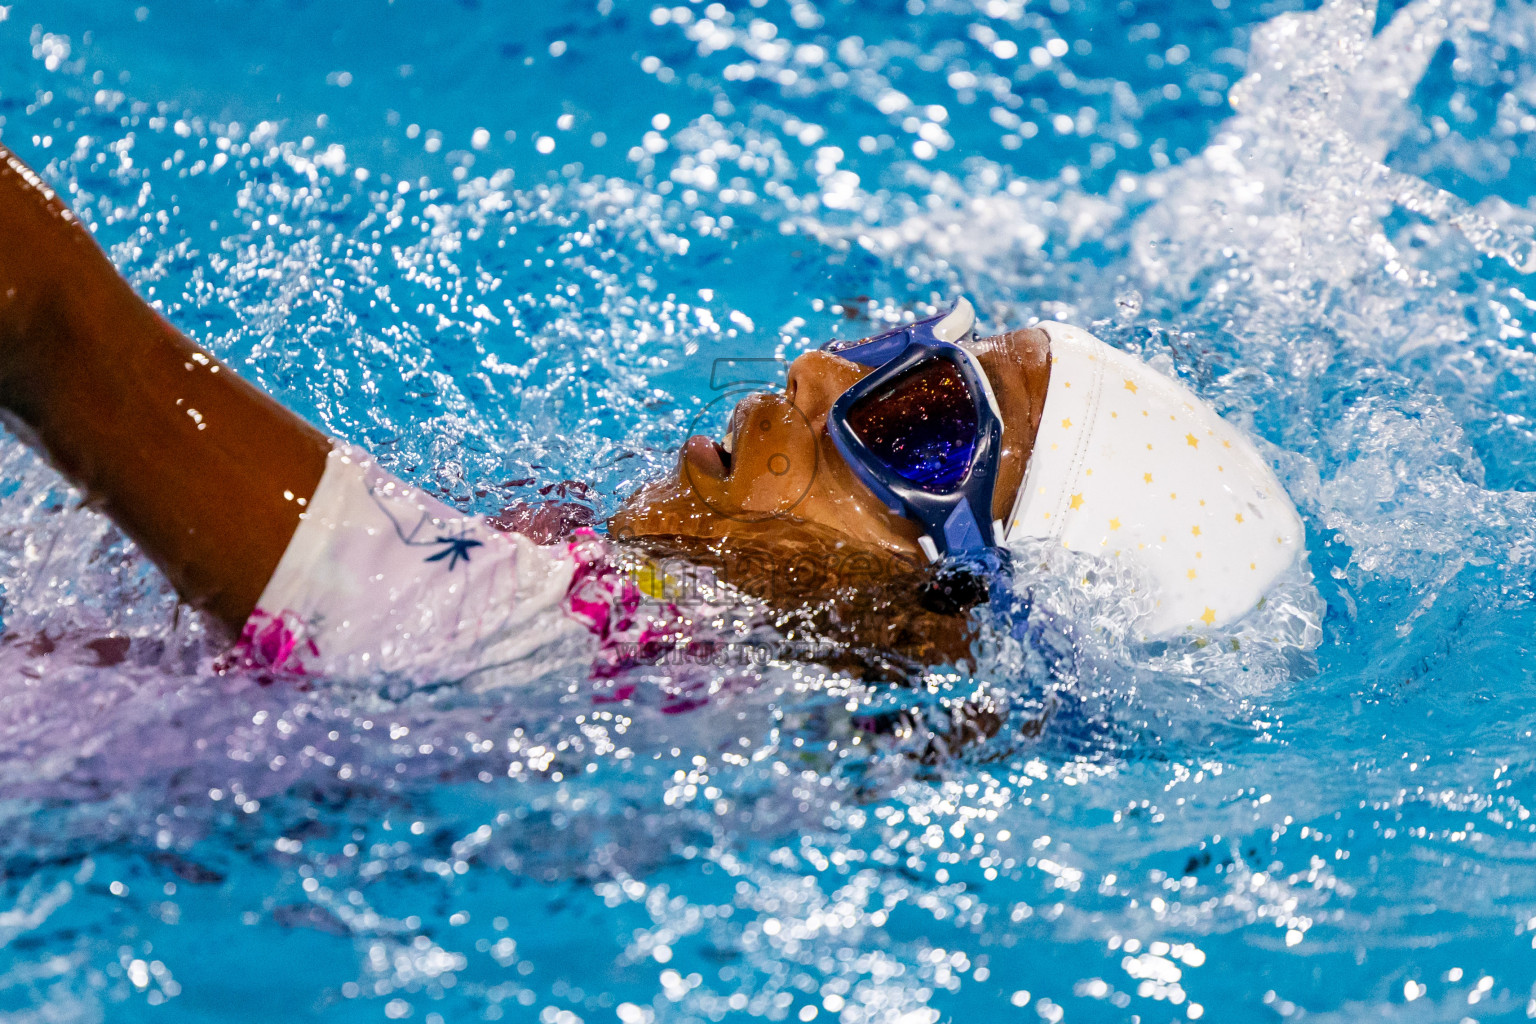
1184,822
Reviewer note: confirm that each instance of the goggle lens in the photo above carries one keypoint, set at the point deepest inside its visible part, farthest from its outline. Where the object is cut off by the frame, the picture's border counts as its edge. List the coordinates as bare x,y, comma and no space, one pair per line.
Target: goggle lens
922,425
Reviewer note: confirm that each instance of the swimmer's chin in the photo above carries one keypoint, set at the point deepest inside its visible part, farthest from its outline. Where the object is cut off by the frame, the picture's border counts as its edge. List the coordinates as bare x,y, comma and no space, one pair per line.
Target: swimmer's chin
669,510
664,508
672,506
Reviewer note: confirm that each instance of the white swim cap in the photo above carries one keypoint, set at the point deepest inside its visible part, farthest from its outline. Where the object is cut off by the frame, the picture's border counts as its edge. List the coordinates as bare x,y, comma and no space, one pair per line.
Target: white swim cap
1130,464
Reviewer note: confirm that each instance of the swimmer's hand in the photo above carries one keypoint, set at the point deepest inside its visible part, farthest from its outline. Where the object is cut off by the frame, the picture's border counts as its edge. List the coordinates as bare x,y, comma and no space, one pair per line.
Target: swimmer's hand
200,468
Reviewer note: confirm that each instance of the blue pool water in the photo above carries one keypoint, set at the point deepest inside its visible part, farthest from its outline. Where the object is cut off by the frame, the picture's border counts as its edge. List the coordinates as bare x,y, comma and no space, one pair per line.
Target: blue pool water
497,242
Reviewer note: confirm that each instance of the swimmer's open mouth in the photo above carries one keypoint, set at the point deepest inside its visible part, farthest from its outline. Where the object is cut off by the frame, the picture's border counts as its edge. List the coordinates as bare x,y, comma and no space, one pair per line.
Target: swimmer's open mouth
708,457
714,458
726,447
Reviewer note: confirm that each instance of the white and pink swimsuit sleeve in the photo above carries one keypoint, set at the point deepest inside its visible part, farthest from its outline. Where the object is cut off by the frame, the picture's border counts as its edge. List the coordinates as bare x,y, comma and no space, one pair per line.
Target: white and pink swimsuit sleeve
382,579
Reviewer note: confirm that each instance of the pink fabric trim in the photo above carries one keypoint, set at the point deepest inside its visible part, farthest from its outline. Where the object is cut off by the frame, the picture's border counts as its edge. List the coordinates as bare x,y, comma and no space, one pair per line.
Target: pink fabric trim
271,645
630,630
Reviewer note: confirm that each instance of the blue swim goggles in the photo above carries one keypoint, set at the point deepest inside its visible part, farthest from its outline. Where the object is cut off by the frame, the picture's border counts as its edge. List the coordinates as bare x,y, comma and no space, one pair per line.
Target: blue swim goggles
924,431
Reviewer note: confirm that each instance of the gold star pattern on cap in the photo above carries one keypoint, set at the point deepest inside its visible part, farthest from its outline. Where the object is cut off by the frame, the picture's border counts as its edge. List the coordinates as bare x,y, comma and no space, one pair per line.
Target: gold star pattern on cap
1097,458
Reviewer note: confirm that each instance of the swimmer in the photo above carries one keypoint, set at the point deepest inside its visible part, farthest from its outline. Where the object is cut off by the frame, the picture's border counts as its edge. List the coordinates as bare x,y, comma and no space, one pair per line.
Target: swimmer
924,445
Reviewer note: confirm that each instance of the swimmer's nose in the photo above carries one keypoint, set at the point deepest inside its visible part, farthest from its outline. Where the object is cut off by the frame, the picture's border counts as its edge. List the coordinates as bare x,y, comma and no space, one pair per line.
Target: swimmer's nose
816,379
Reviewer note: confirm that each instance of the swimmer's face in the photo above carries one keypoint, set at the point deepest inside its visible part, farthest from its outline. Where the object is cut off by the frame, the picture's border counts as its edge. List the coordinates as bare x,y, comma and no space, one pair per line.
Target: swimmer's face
784,472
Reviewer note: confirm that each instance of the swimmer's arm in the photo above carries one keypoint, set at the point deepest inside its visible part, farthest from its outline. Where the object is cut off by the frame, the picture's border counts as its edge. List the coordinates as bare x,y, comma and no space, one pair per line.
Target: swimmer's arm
199,467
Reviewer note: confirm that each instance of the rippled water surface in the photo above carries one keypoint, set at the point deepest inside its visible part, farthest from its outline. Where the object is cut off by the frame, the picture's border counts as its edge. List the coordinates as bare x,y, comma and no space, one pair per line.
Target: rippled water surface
497,242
